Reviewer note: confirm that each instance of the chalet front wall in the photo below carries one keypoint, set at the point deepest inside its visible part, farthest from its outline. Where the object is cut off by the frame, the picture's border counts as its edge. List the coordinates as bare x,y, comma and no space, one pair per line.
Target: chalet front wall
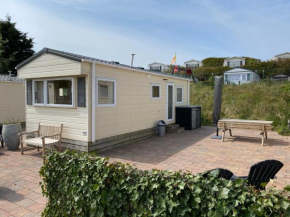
135,109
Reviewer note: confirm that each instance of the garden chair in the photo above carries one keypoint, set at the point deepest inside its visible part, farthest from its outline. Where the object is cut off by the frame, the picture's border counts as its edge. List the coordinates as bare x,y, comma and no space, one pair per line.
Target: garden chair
261,173
47,134
223,173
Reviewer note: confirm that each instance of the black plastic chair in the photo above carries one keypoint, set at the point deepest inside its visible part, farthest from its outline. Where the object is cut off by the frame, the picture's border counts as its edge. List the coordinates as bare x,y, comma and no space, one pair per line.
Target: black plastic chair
1,137
261,173
223,173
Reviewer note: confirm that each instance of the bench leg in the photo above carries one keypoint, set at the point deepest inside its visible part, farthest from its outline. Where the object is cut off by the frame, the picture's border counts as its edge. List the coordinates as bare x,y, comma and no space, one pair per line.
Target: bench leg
21,144
230,132
266,135
263,138
43,147
223,136
37,148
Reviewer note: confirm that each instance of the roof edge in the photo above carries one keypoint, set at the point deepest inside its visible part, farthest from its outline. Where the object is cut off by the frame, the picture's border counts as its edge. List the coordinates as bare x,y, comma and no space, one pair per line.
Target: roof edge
45,51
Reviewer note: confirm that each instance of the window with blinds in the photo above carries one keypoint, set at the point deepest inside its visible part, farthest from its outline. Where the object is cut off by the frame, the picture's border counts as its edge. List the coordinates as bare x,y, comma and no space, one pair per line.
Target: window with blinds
106,92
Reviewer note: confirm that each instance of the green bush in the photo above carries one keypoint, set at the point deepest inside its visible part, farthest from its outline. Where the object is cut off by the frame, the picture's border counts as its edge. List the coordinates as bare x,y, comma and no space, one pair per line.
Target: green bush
213,62
78,184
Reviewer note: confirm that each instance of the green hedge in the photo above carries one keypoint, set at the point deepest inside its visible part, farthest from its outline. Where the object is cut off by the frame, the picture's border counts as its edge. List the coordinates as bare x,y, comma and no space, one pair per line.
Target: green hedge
213,62
79,184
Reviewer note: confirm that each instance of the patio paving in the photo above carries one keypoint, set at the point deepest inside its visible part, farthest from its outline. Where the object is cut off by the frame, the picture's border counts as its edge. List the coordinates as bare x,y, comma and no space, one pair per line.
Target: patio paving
195,151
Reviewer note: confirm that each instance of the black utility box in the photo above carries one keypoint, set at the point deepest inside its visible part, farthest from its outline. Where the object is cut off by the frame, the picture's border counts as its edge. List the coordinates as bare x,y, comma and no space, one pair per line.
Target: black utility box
188,116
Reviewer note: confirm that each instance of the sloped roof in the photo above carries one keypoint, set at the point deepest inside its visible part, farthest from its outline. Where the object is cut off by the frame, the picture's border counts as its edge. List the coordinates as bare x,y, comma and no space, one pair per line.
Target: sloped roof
229,58
11,79
238,70
157,63
281,54
80,58
192,60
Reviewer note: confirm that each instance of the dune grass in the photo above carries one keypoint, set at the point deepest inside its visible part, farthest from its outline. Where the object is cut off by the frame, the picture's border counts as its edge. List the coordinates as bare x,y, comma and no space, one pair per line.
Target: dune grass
261,101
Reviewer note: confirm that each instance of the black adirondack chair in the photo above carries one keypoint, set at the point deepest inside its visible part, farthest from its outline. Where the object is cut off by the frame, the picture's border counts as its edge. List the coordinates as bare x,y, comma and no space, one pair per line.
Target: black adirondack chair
223,173
261,173
1,138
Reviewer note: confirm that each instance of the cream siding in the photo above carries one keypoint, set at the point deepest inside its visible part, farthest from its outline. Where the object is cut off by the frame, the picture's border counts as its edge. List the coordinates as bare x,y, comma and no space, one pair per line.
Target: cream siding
134,110
75,120
12,99
49,65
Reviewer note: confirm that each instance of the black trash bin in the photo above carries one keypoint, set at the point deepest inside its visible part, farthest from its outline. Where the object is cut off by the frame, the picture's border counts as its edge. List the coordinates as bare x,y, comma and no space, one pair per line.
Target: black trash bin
161,128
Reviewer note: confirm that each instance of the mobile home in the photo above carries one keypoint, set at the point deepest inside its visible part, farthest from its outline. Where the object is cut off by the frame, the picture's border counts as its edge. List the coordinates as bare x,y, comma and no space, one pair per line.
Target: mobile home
100,103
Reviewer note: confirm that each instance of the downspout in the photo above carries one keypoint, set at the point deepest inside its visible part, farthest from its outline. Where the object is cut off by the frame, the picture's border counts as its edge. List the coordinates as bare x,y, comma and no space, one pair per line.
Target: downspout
93,101
93,127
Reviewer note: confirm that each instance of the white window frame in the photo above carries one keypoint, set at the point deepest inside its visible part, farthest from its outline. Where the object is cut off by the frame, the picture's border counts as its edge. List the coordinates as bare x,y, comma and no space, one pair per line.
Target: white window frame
97,92
45,86
181,95
151,92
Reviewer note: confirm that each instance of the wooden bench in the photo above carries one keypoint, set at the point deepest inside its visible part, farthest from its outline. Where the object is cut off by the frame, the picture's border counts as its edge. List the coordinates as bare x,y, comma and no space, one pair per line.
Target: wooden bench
47,134
229,124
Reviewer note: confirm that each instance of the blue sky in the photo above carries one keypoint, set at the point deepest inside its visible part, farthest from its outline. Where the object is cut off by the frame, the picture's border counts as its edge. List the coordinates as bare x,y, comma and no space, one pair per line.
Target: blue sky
155,29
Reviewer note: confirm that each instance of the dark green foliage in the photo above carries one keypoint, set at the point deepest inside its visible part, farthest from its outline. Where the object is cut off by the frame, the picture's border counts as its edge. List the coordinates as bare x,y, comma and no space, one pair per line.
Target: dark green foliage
213,62
15,46
252,61
78,184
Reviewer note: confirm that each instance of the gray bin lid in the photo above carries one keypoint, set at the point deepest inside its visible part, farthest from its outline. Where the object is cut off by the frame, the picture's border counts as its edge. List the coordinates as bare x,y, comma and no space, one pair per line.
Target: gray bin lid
161,123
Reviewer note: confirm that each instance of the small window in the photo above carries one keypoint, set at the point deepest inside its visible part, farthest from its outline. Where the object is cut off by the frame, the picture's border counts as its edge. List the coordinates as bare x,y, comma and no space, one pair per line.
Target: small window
155,91
179,91
106,92
244,77
248,77
39,92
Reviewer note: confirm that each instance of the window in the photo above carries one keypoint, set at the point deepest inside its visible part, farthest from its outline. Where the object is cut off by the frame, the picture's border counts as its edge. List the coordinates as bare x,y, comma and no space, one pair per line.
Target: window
53,92
155,91
194,65
106,89
59,92
233,77
39,92
156,68
248,77
234,64
244,77
179,97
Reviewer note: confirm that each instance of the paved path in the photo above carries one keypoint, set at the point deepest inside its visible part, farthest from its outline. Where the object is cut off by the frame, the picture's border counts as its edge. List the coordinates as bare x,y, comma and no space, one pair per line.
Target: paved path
195,151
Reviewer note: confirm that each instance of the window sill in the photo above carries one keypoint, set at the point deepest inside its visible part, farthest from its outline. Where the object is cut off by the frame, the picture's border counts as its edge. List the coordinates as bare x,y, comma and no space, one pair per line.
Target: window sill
54,106
106,105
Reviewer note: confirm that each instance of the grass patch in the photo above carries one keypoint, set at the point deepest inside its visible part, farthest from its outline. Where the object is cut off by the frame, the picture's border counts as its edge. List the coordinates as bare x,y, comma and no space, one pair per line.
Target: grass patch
261,101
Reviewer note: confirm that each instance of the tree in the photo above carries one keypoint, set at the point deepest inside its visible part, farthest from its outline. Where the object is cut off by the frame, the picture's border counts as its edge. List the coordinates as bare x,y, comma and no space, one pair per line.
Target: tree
15,46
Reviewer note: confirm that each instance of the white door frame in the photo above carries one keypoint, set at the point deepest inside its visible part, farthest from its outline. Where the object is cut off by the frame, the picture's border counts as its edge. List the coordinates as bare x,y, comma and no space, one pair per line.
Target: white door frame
170,84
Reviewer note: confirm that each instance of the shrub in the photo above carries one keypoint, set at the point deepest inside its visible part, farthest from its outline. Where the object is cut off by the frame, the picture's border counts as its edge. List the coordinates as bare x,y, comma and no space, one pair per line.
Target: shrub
213,62
78,184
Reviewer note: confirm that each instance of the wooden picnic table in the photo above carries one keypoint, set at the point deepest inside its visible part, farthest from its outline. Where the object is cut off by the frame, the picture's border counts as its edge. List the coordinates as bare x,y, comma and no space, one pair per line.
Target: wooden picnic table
229,124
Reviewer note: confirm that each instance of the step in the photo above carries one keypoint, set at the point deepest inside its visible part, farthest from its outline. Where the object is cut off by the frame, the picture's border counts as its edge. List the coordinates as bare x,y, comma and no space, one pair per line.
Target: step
172,126
175,130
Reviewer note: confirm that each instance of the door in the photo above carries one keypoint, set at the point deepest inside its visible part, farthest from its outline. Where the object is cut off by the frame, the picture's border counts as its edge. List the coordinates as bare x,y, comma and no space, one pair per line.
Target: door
170,102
